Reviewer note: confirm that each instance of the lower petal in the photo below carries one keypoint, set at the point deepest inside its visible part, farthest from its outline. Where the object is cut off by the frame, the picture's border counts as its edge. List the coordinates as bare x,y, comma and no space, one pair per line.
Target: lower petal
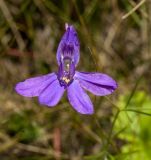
34,86
79,99
97,83
52,94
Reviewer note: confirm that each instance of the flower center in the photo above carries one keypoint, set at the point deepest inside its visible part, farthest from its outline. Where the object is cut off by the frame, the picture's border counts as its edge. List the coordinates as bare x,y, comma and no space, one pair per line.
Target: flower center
67,67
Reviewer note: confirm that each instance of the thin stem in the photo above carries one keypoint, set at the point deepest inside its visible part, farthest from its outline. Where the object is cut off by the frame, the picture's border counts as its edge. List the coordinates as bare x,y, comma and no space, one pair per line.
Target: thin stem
12,25
134,9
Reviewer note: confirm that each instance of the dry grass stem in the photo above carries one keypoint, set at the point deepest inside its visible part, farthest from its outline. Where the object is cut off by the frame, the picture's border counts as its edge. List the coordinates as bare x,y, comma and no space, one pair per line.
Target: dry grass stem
9,18
134,9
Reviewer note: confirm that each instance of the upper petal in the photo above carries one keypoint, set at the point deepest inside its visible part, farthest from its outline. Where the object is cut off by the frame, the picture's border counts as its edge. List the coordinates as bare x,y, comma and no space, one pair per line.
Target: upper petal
79,99
34,86
52,94
69,45
97,83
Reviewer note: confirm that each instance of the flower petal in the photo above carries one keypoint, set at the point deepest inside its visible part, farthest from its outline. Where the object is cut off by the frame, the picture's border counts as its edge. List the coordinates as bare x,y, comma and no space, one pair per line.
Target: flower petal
34,86
79,99
97,83
70,38
52,94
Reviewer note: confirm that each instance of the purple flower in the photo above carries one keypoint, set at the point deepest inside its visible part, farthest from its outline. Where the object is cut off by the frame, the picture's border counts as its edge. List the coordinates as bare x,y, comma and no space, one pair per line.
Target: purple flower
50,88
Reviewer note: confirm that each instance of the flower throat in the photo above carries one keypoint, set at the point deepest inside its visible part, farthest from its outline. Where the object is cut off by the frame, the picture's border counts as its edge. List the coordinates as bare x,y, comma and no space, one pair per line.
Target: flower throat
67,67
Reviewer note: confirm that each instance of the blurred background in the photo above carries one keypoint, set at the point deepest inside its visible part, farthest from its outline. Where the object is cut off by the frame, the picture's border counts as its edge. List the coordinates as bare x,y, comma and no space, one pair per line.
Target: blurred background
115,38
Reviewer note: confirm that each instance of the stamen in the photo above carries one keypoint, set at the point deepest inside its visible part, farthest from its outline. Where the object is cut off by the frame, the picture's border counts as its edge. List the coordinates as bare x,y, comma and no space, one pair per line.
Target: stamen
67,65
66,72
66,79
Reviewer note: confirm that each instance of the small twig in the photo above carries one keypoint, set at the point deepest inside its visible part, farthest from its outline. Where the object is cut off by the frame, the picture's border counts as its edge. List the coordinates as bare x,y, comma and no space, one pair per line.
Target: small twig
134,9
39,150
35,149
92,134
57,143
8,143
93,59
